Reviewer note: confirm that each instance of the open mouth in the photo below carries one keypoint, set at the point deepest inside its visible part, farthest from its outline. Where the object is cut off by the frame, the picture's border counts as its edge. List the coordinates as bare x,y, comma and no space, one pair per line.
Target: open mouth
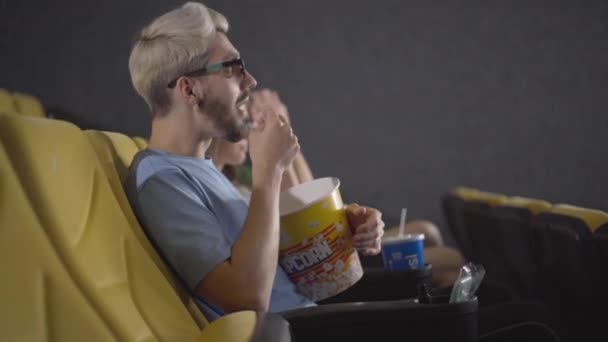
243,102
242,106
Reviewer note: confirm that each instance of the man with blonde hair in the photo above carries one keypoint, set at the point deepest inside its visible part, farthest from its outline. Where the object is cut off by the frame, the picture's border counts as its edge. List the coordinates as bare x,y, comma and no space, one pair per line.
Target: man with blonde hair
196,85
226,251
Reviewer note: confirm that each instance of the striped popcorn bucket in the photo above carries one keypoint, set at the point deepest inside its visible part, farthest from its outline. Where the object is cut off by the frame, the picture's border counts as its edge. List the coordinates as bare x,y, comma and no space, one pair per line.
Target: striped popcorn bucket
316,249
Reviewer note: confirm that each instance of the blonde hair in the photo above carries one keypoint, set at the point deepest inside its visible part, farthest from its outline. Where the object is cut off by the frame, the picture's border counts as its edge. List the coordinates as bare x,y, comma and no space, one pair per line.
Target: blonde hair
175,43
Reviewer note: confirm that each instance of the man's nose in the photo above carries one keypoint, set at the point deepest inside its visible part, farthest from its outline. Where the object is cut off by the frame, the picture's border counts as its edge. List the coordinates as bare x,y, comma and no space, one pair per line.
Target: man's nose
249,82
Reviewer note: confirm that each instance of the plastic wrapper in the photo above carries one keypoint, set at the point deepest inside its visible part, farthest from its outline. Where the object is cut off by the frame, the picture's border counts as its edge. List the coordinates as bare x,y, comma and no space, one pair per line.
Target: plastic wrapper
467,283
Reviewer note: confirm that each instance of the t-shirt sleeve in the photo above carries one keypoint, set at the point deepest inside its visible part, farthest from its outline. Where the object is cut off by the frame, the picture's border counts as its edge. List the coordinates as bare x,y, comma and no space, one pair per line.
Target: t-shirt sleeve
182,225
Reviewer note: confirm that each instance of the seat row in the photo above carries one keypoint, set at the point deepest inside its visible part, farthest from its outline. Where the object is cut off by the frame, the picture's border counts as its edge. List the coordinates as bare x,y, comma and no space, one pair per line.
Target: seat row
76,265
556,253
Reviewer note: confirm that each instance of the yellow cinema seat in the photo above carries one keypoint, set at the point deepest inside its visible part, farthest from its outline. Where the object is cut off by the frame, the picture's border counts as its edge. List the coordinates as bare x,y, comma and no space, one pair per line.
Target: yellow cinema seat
593,218
223,330
28,105
40,299
472,194
115,152
67,188
534,205
7,103
567,248
142,143
120,150
78,269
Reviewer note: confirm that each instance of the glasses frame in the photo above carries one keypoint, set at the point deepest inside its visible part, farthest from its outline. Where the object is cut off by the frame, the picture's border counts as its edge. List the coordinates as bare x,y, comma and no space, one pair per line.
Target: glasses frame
209,69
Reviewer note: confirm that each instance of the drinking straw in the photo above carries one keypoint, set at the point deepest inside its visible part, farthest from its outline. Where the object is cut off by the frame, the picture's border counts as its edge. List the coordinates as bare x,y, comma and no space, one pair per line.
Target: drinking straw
402,224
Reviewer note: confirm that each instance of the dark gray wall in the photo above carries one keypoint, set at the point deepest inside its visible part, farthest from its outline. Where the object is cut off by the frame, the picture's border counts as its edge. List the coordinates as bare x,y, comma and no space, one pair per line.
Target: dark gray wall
401,100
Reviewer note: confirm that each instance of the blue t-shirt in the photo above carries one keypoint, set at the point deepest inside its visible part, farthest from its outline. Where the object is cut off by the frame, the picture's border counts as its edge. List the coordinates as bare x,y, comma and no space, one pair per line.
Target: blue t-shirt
193,214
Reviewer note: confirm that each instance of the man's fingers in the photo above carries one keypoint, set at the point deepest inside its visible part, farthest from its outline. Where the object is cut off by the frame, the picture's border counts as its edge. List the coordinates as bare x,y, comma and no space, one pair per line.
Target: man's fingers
370,251
369,233
356,209
372,223
366,244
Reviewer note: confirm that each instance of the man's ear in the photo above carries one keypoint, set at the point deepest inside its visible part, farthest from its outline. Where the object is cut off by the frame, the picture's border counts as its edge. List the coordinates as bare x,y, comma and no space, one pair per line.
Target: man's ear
184,85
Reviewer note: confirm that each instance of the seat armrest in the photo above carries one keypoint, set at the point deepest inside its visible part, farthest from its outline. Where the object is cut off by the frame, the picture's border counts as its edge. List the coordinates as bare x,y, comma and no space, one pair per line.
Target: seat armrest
365,321
247,326
379,284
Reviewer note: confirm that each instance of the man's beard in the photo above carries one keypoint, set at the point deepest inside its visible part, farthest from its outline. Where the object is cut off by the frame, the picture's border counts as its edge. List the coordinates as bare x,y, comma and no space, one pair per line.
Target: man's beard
226,118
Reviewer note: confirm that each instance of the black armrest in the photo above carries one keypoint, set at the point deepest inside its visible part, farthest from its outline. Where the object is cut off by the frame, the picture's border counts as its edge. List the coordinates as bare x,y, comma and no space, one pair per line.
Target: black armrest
378,284
366,321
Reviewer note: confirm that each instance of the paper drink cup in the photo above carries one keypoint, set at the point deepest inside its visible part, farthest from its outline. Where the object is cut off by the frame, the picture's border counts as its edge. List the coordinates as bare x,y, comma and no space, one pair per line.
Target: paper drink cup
403,253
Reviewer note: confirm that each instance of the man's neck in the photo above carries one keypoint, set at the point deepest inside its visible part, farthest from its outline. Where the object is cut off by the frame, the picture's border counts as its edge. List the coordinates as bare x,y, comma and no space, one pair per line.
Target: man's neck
177,136
218,163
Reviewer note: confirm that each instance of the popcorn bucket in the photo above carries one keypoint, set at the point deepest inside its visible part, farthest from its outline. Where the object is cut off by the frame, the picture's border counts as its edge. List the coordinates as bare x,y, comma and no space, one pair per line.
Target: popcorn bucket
316,249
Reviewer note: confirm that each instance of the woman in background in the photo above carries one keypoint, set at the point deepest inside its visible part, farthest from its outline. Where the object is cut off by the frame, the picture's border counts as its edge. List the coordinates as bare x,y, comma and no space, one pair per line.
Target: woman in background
230,159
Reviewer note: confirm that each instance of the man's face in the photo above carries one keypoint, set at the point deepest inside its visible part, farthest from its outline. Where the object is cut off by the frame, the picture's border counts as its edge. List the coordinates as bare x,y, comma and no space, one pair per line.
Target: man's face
226,93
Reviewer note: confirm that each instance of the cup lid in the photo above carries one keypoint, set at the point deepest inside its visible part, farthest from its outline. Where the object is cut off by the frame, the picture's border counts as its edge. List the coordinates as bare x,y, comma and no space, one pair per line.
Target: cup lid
404,237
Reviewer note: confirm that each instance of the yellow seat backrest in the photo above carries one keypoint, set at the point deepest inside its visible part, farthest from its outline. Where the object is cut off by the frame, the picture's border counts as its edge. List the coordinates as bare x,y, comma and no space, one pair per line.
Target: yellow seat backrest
472,194
123,150
40,299
7,103
28,105
115,152
235,327
534,205
592,217
142,143
79,214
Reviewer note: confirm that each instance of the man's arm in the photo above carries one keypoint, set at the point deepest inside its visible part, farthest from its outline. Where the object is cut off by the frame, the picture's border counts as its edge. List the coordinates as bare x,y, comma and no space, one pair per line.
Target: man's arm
232,276
245,280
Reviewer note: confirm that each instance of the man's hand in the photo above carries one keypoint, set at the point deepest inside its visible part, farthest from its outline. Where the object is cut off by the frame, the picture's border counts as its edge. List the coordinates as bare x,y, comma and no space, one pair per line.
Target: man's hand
367,227
272,147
